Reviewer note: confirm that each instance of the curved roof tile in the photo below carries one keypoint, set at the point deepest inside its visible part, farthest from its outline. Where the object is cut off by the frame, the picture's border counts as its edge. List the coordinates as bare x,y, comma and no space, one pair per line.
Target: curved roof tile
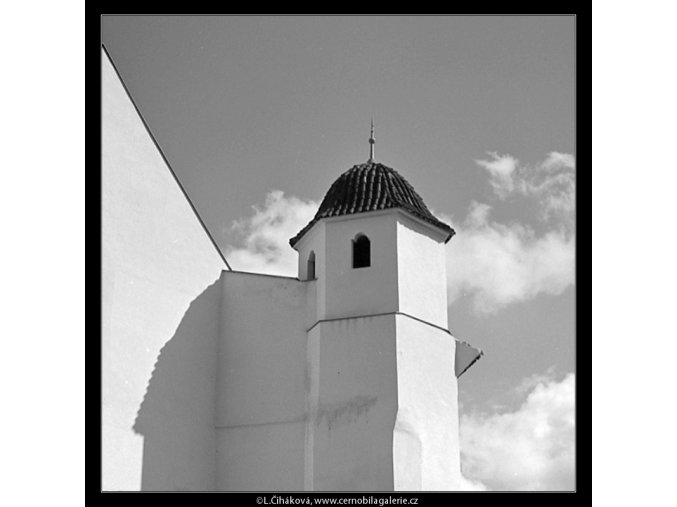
370,187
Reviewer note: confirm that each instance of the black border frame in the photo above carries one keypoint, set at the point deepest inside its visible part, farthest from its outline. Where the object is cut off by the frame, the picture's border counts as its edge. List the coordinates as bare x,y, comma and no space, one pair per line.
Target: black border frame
93,44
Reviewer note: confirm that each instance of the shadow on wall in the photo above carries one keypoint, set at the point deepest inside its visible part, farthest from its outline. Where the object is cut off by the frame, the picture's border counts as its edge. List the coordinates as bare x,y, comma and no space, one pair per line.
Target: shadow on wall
176,417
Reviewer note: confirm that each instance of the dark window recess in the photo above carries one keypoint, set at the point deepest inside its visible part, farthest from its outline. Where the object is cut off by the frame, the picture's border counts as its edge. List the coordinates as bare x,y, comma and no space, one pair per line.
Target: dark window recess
361,252
311,266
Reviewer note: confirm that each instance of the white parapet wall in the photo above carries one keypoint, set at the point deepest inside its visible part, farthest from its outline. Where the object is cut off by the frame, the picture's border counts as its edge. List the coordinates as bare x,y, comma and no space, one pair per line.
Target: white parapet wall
262,383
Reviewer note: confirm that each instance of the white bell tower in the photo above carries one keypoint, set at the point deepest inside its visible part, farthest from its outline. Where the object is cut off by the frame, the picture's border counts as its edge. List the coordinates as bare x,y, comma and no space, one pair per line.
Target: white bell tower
382,404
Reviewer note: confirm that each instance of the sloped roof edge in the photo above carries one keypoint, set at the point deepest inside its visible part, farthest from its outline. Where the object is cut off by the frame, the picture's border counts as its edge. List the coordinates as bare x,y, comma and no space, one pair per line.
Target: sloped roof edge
164,158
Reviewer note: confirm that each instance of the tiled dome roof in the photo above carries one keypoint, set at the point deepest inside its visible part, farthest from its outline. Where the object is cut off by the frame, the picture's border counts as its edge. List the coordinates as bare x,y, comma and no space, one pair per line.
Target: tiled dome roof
369,187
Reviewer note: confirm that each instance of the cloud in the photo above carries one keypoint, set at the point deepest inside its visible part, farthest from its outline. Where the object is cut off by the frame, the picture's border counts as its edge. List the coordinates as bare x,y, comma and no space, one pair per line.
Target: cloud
499,264
551,181
503,263
501,169
528,383
264,236
530,449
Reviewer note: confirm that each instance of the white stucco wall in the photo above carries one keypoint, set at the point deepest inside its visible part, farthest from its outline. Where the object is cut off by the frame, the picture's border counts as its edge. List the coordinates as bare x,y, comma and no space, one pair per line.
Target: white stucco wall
421,271
156,259
176,417
362,291
262,383
407,272
342,290
314,241
353,404
426,441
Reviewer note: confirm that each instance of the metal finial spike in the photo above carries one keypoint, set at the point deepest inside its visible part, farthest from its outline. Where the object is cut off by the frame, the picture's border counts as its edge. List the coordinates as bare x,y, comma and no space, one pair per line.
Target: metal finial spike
372,141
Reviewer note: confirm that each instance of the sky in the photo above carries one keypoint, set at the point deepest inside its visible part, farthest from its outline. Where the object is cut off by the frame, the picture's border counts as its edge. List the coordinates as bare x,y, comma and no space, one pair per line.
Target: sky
259,115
